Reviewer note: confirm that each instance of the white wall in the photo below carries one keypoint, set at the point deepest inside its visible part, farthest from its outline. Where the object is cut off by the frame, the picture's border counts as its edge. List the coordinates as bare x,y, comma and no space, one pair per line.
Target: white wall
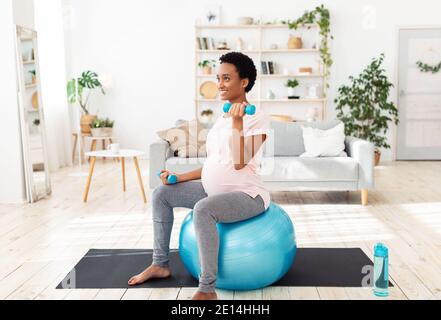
148,49
53,81
24,13
12,188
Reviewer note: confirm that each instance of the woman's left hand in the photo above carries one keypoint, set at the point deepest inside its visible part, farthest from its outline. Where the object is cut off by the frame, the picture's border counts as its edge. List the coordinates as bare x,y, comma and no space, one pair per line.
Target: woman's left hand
237,110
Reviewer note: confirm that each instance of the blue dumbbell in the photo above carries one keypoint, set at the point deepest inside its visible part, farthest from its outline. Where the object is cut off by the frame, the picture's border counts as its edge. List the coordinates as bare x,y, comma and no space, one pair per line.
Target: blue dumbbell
249,109
171,179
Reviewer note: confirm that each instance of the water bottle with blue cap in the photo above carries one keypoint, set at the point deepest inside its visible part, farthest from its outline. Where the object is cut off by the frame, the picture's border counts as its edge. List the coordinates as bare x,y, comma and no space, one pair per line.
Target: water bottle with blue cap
381,273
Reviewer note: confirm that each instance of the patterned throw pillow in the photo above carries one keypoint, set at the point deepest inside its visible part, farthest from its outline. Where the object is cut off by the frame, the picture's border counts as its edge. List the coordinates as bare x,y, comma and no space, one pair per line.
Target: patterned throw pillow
187,139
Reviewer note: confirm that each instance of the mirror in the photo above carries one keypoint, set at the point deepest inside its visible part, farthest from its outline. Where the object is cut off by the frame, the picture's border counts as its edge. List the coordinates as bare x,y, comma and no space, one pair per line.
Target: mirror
33,134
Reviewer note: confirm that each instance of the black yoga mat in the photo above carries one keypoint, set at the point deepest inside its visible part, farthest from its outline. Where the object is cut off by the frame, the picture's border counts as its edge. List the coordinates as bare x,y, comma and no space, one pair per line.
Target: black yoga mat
313,267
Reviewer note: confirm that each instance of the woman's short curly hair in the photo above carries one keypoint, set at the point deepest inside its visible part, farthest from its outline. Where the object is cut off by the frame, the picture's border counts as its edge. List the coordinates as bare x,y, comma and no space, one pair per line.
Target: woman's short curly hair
244,65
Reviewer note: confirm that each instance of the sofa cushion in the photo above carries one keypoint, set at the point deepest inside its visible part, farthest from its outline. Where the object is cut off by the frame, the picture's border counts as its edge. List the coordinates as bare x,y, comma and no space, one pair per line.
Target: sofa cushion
309,169
187,139
323,143
287,137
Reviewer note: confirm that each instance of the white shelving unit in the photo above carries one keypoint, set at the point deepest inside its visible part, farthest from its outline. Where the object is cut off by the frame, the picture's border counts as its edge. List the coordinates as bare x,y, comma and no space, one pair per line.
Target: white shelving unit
261,36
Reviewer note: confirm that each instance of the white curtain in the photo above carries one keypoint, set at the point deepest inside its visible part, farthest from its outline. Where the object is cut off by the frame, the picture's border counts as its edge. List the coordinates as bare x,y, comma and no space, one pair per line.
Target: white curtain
49,26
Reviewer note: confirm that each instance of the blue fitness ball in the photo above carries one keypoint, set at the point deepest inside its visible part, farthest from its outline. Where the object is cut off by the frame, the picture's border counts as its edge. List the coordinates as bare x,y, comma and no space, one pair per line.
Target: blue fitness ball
253,253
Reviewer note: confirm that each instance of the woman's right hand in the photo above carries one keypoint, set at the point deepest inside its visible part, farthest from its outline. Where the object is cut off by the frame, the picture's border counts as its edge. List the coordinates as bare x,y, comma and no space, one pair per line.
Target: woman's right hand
164,175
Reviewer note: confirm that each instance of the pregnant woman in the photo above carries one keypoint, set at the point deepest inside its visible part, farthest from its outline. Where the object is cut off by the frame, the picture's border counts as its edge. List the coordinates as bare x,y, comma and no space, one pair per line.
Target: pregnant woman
226,189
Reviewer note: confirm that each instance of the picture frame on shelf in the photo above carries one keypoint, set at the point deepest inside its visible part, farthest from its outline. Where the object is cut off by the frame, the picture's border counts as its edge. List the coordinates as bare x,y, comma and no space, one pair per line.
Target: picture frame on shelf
211,14
25,56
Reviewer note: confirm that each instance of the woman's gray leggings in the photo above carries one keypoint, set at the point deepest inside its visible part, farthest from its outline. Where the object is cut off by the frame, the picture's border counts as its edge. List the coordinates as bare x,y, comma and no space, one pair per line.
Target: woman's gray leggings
207,210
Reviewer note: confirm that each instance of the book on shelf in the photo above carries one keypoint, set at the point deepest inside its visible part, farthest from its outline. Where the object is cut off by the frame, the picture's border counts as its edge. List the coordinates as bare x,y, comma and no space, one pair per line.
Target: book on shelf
268,67
264,67
199,43
271,67
205,43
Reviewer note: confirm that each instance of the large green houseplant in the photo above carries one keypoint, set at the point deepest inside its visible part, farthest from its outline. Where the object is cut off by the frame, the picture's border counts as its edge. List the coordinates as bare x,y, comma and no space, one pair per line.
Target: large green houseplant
80,87
364,107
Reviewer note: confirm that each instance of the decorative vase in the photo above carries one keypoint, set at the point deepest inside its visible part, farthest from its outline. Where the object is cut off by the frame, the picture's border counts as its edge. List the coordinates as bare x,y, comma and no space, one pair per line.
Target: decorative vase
377,156
294,42
86,121
311,115
312,91
239,44
207,70
245,20
34,101
270,95
102,132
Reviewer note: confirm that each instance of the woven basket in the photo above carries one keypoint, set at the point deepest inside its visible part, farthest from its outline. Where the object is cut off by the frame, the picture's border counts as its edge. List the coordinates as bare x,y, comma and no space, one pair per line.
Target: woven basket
295,43
86,121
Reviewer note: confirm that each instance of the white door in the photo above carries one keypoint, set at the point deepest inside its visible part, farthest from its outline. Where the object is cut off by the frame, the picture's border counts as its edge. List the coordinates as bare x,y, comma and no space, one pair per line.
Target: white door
419,99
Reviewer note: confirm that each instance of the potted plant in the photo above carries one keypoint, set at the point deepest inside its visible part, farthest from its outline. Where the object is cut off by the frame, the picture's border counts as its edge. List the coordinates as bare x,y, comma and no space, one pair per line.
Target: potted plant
322,18
34,77
102,127
206,116
34,129
291,84
364,108
75,90
207,65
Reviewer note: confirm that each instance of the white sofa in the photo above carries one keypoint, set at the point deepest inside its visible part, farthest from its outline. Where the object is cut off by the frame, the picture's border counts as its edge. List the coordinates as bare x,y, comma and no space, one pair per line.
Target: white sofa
283,169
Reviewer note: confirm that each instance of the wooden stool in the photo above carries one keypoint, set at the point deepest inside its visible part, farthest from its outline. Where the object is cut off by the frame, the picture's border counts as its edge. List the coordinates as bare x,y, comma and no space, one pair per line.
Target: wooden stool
74,148
92,146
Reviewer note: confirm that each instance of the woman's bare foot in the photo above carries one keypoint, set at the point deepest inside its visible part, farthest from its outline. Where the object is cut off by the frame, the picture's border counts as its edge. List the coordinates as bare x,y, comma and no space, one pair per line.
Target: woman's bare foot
204,296
151,272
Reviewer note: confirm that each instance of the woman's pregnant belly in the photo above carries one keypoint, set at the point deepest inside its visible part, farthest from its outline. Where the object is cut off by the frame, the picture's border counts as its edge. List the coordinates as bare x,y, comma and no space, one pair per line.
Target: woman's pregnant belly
220,177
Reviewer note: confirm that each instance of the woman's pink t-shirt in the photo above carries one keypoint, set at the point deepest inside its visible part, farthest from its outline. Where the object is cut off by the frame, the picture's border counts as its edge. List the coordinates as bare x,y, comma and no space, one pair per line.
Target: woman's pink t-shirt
218,172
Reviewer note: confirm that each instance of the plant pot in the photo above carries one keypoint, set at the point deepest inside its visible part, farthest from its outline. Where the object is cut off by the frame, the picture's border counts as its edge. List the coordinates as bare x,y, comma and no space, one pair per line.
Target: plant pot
34,79
206,70
86,121
291,92
377,156
206,119
102,132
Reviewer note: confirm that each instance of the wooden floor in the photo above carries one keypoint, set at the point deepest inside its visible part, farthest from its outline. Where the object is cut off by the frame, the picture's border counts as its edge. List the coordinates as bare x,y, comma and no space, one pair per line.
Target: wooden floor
40,243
